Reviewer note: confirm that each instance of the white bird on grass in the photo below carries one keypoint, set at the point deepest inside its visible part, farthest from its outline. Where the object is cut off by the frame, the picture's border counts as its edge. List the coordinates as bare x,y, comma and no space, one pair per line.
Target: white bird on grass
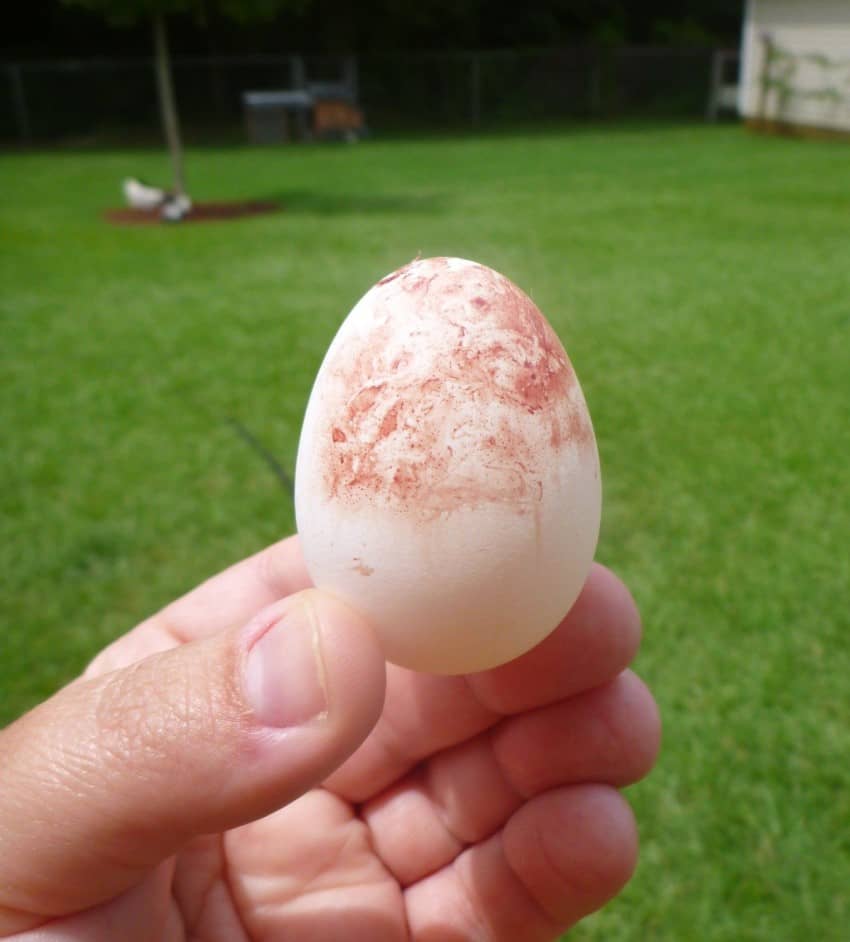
175,208
140,195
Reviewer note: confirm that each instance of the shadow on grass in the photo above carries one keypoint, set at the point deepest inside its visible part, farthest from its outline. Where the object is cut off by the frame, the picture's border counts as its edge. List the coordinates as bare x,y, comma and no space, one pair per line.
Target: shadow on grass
319,203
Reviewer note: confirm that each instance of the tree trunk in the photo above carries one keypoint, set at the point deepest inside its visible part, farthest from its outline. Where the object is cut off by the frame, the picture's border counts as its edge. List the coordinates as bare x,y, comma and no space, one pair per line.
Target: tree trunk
167,106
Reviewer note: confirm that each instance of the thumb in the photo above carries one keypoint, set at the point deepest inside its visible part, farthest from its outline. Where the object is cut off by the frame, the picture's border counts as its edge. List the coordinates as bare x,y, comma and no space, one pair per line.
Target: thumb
112,775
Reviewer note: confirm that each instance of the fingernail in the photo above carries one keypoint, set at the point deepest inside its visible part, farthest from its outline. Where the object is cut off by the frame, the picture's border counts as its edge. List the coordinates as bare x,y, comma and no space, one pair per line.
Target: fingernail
284,672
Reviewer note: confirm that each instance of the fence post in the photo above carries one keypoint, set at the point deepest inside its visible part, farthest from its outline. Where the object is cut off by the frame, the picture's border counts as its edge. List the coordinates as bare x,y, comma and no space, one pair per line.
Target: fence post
297,72
217,92
595,87
350,76
475,88
718,59
19,100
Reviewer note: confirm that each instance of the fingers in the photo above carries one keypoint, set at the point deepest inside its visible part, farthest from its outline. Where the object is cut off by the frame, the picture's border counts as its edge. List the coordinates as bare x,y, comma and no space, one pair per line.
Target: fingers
598,638
559,858
113,774
224,601
608,735
425,714
238,593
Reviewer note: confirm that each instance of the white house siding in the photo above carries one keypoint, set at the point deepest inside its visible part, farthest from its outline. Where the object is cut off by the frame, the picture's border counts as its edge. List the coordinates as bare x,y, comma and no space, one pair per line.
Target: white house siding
817,34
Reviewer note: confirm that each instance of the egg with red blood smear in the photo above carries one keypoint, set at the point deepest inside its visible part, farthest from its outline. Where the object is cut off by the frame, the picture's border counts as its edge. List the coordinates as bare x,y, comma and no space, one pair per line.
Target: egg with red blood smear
447,482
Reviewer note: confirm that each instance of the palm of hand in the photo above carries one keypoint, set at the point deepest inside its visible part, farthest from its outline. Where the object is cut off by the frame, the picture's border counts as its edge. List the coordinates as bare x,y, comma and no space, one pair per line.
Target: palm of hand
307,871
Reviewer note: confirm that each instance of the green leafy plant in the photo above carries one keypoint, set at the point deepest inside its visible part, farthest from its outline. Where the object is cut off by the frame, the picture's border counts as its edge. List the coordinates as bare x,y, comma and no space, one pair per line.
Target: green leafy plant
780,69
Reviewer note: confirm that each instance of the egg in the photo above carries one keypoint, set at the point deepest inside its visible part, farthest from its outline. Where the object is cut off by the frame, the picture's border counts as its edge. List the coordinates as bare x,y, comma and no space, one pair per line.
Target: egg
447,483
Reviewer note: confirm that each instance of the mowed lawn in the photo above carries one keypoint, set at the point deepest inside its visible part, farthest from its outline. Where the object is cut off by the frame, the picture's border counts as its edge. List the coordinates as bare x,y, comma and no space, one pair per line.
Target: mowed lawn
700,279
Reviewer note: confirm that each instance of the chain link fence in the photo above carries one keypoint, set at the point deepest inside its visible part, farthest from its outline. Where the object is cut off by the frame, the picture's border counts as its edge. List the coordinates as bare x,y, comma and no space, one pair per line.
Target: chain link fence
114,101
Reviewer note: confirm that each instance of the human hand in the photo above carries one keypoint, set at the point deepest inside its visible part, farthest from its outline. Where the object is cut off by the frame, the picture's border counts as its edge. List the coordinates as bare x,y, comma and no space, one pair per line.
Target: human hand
209,778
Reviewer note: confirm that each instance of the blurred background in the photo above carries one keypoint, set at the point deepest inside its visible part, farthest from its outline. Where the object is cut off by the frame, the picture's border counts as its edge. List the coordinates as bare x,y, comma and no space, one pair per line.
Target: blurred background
670,183
443,65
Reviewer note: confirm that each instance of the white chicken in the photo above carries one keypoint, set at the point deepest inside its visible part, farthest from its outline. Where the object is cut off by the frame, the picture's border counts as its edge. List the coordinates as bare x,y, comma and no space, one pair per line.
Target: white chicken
141,195
175,208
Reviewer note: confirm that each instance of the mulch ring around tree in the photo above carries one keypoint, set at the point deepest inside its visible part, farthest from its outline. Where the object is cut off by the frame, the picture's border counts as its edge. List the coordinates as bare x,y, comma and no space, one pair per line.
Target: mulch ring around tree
200,212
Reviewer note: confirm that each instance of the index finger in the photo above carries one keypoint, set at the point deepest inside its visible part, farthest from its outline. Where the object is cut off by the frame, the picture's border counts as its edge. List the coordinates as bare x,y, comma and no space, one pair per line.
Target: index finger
224,601
235,595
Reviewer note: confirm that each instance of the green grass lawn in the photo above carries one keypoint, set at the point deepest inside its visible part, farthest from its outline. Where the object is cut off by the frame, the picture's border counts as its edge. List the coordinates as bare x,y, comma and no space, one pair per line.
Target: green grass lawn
700,279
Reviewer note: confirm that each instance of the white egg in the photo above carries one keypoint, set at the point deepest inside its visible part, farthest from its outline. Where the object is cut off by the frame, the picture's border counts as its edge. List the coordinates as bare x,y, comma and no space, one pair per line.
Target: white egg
447,482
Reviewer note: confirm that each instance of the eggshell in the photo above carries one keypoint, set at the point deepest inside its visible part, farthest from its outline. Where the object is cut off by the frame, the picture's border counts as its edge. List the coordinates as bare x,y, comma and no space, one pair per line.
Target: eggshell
447,481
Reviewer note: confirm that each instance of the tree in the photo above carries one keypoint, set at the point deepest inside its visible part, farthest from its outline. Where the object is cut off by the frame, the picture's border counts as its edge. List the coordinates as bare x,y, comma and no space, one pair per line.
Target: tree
126,12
